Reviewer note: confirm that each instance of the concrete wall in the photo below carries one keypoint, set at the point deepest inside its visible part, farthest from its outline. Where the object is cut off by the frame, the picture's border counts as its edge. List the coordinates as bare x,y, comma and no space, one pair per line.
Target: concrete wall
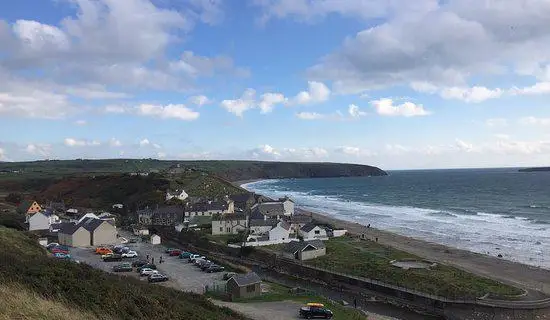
339,233
39,221
266,243
104,234
278,233
311,254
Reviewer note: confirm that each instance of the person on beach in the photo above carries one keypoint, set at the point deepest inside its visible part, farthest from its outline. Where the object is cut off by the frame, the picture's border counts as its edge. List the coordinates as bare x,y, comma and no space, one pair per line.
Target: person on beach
160,260
147,258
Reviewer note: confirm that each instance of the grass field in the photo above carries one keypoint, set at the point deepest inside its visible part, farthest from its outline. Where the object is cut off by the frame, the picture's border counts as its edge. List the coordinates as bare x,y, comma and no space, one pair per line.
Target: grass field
78,291
369,259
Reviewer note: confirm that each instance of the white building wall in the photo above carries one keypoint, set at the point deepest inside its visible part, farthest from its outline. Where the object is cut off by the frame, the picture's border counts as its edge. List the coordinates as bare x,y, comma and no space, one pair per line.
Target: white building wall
278,233
39,221
315,233
289,207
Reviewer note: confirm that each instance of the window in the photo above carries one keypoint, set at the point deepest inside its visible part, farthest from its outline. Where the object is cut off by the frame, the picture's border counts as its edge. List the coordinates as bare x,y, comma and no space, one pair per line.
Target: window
250,288
221,229
317,232
228,229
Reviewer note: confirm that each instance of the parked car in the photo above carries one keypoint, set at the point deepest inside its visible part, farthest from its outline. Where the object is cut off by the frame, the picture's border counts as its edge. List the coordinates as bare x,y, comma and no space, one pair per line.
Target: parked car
139,263
103,250
147,266
194,257
124,267
206,265
175,253
123,240
214,268
169,249
52,245
113,257
61,255
147,271
185,255
157,277
129,254
310,312
59,250
201,262
120,249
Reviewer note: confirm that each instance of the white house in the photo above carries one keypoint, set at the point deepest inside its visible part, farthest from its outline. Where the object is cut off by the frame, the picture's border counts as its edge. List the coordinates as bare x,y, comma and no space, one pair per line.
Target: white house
178,194
311,231
259,227
208,209
229,224
179,227
155,239
107,216
41,220
280,232
72,211
284,207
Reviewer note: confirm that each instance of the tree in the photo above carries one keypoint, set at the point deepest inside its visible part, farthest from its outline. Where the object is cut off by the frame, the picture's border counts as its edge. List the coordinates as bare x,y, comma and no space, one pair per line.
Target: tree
14,198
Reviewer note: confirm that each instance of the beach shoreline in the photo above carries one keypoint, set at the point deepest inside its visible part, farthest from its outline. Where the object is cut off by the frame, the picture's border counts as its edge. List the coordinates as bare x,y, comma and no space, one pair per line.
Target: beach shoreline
506,271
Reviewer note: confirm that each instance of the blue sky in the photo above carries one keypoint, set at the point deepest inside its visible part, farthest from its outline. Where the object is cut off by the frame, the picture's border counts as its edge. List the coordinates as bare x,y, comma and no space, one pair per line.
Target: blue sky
389,83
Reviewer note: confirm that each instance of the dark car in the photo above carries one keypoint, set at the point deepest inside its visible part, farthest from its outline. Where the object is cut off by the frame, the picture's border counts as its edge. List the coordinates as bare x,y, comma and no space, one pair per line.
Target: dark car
207,265
125,267
157,277
148,265
214,268
310,312
139,263
114,257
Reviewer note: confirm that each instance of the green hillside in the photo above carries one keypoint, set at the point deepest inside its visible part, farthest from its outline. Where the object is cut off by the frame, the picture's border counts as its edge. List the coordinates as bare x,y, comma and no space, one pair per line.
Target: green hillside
47,287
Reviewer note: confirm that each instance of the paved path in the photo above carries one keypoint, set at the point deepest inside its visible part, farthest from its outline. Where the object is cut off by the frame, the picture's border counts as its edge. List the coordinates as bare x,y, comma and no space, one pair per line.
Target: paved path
277,310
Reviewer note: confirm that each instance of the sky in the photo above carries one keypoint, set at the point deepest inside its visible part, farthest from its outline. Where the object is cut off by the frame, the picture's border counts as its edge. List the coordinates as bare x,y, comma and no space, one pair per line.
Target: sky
397,84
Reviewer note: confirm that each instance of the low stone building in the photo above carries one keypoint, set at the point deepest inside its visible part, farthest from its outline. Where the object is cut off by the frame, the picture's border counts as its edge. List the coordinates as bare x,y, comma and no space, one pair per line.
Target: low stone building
229,224
244,286
304,250
273,209
280,232
88,232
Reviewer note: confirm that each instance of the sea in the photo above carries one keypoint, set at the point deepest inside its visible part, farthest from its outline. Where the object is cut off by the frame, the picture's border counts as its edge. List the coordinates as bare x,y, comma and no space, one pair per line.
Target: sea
489,211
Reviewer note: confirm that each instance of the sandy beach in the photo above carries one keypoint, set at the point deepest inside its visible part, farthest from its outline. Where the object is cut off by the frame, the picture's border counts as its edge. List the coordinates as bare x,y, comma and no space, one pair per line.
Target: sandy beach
499,269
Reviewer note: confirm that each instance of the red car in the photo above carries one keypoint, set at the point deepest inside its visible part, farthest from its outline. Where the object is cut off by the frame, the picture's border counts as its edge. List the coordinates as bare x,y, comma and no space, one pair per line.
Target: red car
57,250
175,253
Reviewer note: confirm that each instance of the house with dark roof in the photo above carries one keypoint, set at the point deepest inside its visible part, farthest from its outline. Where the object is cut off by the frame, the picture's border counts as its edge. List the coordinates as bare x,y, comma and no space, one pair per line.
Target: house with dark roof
167,215
87,232
272,209
297,221
229,223
312,231
280,232
145,216
304,250
258,227
208,208
244,286
29,207
243,201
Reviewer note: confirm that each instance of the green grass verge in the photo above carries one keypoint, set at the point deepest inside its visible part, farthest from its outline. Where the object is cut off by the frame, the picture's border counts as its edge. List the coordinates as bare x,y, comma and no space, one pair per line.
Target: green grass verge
23,263
281,293
369,259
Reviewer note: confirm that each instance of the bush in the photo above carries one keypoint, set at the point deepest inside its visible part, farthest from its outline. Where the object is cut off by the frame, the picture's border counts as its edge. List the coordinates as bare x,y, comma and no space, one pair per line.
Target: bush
14,198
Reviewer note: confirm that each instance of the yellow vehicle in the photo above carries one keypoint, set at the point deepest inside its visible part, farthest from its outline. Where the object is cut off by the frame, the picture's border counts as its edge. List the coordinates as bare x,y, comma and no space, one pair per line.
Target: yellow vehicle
315,304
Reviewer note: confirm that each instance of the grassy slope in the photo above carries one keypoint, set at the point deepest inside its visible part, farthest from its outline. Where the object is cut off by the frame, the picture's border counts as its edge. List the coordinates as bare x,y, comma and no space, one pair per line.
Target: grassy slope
371,260
23,263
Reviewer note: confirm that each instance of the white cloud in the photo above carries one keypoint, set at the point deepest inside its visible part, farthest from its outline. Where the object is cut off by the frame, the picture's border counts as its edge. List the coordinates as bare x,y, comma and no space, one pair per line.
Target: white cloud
239,106
38,149
355,112
473,94
156,146
268,152
144,142
310,116
193,65
81,122
317,92
171,111
354,151
38,37
534,121
114,109
113,142
464,146
500,38
161,155
71,142
537,88
199,100
385,107
496,122
94,92
2,154
269,100
27,103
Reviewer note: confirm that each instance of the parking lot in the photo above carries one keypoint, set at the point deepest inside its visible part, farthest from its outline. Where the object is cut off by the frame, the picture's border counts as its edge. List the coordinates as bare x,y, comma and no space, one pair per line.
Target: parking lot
182,275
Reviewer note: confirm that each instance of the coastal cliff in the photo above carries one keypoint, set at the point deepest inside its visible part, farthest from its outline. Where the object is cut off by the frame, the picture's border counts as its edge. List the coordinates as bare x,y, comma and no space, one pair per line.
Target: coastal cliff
536,169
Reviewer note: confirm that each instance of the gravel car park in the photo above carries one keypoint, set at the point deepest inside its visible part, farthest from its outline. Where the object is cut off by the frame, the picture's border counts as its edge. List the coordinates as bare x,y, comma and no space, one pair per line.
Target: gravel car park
181,274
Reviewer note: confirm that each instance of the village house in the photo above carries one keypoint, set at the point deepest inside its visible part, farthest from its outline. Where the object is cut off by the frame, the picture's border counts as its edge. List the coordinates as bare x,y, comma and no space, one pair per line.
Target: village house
80,218
167,216
243,201
140,231
208,208
259,227
280,232
155,239
88,232
145,216
229,224
272,209
244,286
176,194
297,221
71,212
107,216
41,220
118,206
29,207
312,231
304,250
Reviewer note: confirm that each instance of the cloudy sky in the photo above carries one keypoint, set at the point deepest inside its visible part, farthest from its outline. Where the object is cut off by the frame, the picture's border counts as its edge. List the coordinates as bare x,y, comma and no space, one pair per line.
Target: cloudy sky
393,83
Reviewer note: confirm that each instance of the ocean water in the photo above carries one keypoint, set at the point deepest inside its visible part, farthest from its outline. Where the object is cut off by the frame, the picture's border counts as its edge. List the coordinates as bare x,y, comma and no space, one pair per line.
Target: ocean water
490,211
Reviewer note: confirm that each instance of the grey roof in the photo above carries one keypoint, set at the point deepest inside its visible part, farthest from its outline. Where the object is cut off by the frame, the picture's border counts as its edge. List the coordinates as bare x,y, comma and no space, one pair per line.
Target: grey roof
262,222
269,208
299,219
295,246
206,206
168,210
308,227
242,197
230,216
246,279
90,224
67,227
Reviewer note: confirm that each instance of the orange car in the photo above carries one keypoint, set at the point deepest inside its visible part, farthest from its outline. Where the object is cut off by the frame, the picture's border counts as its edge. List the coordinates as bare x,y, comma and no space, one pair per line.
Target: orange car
103,250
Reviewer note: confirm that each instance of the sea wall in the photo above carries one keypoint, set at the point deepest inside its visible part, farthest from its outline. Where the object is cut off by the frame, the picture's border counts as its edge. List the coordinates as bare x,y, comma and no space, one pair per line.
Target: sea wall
434,305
